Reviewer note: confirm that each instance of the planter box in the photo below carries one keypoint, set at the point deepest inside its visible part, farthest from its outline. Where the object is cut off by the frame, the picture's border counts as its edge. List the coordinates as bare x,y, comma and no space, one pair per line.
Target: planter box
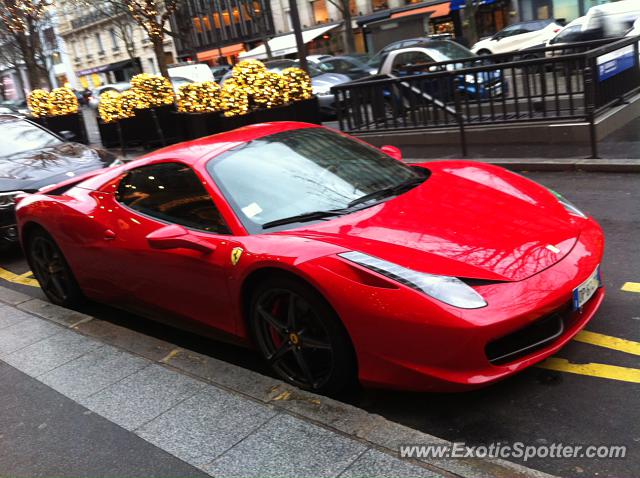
141,130
73,123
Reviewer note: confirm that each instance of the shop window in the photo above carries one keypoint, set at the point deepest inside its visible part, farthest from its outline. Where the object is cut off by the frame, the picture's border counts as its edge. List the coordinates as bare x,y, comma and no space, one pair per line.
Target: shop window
566,9
353,8
320,13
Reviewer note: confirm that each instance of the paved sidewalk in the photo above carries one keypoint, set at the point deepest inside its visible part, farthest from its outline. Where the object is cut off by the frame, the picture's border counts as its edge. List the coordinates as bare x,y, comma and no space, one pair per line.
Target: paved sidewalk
221,419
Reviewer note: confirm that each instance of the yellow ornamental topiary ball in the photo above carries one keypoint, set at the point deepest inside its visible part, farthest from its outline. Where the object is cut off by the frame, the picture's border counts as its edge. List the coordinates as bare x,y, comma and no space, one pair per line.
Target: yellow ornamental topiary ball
297,84
62,101
39,103
234,99
246,72
127,104
268,89
152,90
199,97
108,106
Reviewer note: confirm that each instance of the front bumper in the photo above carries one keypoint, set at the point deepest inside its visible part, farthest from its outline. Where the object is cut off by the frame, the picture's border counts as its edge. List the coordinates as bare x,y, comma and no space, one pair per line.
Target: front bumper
406,340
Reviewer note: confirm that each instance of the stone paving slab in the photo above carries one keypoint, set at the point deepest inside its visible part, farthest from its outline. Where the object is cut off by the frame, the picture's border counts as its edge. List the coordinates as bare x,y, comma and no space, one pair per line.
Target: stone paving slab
50,353
216,416
27,331
93,372
206,425
142,396
287,446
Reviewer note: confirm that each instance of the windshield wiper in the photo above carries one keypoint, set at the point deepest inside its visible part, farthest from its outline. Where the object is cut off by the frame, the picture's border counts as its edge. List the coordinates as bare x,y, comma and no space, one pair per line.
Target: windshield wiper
307,216
387,192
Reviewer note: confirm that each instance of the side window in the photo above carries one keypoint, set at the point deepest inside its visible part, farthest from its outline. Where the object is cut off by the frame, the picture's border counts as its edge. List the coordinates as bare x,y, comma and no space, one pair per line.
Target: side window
327,66
412,62
173,193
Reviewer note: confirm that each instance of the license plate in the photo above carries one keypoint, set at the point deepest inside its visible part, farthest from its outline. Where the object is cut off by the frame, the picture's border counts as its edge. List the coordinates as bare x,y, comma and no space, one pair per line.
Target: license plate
585,291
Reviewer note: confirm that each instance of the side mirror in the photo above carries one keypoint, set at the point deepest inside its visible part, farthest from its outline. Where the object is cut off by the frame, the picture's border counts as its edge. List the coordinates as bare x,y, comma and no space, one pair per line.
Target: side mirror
392,151
177,237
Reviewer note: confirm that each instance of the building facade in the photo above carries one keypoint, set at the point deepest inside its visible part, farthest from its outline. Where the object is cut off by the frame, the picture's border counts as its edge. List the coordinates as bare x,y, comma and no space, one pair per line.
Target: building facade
106,46
566,10
217,31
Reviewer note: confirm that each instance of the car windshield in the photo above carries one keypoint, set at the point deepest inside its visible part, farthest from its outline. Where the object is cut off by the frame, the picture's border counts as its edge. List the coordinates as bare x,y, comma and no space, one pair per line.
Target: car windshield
450,49
20,136
303,171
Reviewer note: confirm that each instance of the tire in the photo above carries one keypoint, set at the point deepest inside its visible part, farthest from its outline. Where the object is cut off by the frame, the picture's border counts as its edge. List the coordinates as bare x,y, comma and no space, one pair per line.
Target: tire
312,350
484,52
52,271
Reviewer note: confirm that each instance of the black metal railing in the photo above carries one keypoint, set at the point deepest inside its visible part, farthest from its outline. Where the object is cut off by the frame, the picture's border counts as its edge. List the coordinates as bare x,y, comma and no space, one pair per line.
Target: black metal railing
555,84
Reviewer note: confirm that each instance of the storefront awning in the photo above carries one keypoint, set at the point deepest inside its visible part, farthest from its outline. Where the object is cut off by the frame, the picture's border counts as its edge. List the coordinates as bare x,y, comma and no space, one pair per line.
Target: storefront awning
285,44
439,10
218,52
460,4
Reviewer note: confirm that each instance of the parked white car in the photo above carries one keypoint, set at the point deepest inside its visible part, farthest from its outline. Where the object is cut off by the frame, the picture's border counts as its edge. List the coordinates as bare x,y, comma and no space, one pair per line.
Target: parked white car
518,37
196,73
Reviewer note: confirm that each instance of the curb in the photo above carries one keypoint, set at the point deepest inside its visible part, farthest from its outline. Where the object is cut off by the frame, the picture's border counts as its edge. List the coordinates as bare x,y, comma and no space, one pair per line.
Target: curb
337,417
545,164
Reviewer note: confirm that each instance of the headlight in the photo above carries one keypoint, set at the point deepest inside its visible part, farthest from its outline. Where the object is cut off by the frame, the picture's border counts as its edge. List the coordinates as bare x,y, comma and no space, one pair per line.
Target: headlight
449,290
568,205
321,90
8,199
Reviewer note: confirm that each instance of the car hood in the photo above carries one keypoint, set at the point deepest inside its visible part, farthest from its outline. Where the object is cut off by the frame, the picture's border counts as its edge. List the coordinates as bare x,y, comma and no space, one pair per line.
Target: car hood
329,79
467,220
483,43
37,168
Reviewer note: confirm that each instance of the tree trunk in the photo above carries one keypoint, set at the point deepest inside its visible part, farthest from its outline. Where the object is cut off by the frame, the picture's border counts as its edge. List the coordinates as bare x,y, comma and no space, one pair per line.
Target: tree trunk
28,56
349,39
158,48
265,37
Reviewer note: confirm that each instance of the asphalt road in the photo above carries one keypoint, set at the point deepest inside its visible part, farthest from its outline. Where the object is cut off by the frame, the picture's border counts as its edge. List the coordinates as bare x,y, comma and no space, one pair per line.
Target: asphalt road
538,406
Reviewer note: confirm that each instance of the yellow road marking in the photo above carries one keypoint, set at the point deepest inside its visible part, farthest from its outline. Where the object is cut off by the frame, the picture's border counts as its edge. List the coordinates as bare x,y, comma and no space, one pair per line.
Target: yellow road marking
599,370
606,341
24,279
631,287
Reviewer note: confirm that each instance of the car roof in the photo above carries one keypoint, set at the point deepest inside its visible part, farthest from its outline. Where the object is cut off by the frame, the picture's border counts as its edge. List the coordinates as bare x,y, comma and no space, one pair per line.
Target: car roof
203,149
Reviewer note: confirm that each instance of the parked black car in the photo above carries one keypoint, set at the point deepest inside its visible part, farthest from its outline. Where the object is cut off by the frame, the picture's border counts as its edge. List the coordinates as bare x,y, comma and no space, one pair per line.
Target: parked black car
31,157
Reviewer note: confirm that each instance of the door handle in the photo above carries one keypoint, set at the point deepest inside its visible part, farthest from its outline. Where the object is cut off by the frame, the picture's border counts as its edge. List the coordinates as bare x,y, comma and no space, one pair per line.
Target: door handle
109,235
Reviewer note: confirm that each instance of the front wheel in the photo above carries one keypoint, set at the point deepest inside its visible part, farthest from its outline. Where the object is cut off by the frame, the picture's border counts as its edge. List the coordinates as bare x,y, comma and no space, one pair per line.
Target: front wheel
52,271
300,336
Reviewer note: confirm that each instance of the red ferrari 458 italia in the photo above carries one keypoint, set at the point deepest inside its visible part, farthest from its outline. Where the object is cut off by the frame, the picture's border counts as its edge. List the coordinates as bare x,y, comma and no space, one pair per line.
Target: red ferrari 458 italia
334,259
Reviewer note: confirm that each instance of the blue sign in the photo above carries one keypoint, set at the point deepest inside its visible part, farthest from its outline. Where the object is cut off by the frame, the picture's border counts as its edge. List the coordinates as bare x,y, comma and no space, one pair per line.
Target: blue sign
616,62
460,4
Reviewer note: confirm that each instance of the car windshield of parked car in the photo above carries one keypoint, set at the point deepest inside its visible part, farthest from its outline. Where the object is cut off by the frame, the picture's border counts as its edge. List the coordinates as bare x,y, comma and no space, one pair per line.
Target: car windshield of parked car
303,171
20,136
449,50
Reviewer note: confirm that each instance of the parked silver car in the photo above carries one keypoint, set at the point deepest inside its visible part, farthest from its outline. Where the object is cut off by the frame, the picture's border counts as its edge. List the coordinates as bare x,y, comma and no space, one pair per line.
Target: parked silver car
95,94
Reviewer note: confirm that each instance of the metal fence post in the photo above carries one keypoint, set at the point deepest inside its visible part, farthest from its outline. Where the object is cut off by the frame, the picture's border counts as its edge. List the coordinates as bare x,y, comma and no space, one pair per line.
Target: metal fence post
590,86
459,116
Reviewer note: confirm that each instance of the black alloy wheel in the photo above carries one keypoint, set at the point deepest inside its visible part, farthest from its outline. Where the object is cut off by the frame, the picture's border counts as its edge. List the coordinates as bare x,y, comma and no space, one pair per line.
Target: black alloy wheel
301,338
52,271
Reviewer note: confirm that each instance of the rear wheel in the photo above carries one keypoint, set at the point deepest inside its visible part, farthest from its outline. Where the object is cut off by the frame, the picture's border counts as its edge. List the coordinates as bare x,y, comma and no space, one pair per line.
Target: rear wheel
52,271
301,337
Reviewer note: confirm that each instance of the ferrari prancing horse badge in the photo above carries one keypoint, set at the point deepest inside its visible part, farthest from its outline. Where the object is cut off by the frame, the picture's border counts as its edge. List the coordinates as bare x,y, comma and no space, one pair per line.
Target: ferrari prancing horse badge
236,253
